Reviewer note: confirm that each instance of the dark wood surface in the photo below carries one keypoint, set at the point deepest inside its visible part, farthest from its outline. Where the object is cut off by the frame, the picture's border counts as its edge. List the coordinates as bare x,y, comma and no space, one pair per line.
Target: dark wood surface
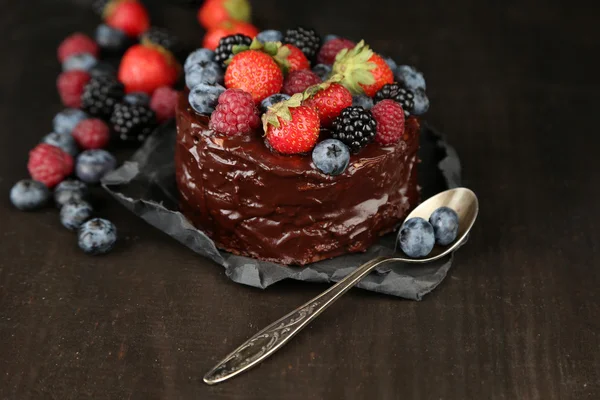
514,85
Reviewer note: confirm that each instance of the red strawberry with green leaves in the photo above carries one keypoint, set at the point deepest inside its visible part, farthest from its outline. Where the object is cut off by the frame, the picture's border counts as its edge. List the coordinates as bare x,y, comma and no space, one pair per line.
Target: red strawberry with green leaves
329,101
213,36
214,12
130,16
291,127
382,74
296,58
146,67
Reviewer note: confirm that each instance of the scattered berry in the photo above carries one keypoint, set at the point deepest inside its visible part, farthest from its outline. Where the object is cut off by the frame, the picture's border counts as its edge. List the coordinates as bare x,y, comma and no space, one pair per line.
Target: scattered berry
270,35
74,213
69,190
28,195
298,135
203,98
410,77
271,101
215,12
81,62
77,43
235,113
64,142
111,39
382,74
137,99
399,94
332,48
254,72
49,164
163,103
444,221
213,36
203,72
390,122
299,81
330,102
130,16
102,69
296,59
331,157
97,236
421,102
197,57
323,71
65,121
416,238
362,101
92,134
70,87
146,68
307,40
161,37
391,63
355,127
329,37
92,165
132,123
224,50
100,96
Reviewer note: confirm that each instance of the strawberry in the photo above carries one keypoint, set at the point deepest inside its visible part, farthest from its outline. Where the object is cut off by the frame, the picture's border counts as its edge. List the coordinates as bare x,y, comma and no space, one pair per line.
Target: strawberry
130,16
290,127
254,72
213,36
329,102
382,74
296,59
215,12
146,67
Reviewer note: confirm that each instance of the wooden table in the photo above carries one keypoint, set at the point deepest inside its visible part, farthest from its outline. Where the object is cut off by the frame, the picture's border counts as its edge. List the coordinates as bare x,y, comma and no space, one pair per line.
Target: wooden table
515,88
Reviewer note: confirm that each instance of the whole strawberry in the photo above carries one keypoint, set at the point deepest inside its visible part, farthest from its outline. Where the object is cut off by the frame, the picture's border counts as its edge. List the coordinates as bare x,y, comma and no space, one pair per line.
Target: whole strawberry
213,36
299,81
330,102
382,74
215,12
296,59
235,114
49,164
146,67
390,122
77,43
290,127
254,72
70,87
130,16
331,49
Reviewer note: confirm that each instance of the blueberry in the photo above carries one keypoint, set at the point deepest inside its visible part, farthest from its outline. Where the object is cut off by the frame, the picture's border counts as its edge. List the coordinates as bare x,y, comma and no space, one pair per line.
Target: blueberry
65,142
203,72
70,189
322,71
391,63
137,99
65,121
270,35
362,101
97,236
329,37
272,100
421,102
74,214
416,237
92,165
445,225
82,61
198,56
410,77
29,195
204,97
110,38
331,156
102,69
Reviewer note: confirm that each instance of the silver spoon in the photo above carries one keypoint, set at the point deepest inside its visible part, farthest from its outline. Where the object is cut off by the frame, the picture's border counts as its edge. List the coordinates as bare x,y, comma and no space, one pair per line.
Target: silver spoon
274,336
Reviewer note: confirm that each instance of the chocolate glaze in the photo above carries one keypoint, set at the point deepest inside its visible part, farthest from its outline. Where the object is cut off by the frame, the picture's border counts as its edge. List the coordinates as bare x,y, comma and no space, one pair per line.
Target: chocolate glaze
260,204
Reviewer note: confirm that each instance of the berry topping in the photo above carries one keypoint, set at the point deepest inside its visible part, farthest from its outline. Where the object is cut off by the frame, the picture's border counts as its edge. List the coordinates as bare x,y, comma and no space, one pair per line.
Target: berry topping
331,157
410,77
203,72
322,70
82,62
391,63
307,40
68,190
355,127
74,213
444,221
92,165
330,102
77,43
235,113
296,59
331,49
399,94
254,72
271,101
137,99
65,121
299,81
382,74
132,123
161,37
421,102
28,195
329,37
224,50
163,103
49,164
97,236
215,12
416,238
130,16
270,35
64,142
362,101
92,134
390,122
212,37
109,38
197,57
70,87
100,96
144,68
203,98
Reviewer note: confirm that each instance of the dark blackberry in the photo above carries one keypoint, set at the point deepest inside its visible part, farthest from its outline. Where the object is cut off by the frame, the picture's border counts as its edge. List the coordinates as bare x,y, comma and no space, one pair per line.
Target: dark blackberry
101,69
399,94
225,49
355,127
161,37
307,40
132,123
99,5
100,96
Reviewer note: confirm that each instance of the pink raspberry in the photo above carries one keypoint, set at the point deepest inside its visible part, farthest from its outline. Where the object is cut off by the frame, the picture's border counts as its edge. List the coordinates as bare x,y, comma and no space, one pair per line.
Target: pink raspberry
390,122
235,113
163,103
49,164
299,81
77,43
331,49
91,134
70,87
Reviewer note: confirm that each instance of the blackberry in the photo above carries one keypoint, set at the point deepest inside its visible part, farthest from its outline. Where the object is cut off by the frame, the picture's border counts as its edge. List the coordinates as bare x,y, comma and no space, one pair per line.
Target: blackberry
132,123
225,49
161,37
307,40
98,6
355,127
399,94
100,96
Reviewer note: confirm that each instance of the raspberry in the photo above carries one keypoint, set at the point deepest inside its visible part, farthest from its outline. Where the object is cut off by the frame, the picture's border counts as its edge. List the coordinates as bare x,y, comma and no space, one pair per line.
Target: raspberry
331,49
163,103
70,86
49,164
235,113
299,81
92,133
390,122
77,43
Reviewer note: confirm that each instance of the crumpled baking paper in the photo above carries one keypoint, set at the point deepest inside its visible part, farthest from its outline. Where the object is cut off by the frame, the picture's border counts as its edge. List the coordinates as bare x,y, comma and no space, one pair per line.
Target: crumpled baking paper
146,185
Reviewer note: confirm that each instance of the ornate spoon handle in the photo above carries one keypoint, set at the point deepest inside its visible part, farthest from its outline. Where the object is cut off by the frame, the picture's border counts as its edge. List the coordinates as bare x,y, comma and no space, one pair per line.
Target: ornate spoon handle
274,336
